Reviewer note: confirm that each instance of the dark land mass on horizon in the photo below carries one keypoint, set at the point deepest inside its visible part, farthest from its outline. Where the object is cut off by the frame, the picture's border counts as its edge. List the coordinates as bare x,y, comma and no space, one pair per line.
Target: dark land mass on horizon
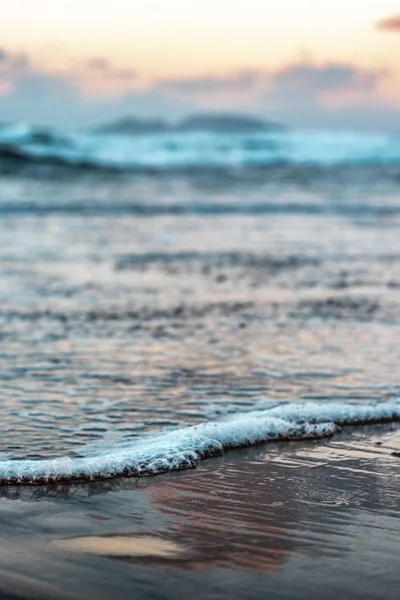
206,122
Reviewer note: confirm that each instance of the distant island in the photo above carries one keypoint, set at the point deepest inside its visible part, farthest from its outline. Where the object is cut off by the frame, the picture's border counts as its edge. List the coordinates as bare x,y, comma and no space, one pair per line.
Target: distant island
204,122
134,126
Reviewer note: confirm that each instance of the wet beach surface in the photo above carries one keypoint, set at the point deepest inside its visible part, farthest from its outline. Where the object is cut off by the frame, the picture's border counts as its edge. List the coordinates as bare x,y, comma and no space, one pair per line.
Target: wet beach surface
128,305
292,520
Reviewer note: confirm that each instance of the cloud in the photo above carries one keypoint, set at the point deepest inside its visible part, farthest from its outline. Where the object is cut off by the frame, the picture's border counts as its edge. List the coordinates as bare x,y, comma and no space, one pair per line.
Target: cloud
43,99
303,89
85,95
300,93
13,65
305,81
236,91
310,79
99,64
104,67
211,84
333,94
303,94
390,24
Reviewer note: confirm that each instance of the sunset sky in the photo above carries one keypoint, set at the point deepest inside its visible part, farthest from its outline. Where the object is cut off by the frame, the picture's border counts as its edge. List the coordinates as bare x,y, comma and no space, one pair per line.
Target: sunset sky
305,62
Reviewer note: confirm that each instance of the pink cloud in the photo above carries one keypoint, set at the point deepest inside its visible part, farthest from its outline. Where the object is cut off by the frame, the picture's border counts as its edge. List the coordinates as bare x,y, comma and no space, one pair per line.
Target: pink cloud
302,93
390,24
6,88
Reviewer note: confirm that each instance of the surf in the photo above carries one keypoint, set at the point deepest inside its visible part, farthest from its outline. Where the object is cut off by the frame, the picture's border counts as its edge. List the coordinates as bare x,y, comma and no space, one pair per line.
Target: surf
176,150
186,447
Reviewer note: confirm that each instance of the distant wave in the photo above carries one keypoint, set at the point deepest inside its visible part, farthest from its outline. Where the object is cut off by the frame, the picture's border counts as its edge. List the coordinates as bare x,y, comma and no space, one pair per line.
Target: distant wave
203,209
21,144
183,448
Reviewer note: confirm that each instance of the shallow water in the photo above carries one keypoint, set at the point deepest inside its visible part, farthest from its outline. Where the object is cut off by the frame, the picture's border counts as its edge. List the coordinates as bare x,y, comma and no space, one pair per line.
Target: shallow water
130,305
114,325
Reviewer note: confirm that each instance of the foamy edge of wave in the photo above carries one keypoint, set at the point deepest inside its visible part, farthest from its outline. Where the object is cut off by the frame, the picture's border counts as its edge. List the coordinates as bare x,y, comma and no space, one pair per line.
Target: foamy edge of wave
184,448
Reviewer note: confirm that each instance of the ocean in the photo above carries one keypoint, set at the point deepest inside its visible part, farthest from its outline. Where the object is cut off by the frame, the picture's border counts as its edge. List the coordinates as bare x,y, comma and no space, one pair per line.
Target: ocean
192,325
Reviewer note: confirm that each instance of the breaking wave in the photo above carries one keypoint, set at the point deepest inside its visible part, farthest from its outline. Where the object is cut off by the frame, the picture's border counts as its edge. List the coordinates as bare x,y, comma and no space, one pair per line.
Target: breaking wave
184,448
24,144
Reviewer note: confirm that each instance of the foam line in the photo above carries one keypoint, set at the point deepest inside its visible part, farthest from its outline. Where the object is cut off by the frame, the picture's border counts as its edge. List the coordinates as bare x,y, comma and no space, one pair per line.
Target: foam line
183,448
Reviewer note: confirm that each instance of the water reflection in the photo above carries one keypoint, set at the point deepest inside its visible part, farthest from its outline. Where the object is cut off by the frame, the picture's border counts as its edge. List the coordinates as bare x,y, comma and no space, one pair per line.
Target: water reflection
237,517
259,507
122,546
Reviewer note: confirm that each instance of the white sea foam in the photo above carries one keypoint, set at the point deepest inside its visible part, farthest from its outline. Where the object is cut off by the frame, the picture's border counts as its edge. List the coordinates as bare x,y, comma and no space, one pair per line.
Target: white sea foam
183,448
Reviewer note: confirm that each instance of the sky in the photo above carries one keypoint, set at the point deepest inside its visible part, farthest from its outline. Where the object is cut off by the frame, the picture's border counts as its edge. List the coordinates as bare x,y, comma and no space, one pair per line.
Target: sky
307,63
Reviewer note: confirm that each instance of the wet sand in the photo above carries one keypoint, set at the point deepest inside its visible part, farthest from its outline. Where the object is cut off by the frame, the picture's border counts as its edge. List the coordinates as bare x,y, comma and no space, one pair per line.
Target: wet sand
290,520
